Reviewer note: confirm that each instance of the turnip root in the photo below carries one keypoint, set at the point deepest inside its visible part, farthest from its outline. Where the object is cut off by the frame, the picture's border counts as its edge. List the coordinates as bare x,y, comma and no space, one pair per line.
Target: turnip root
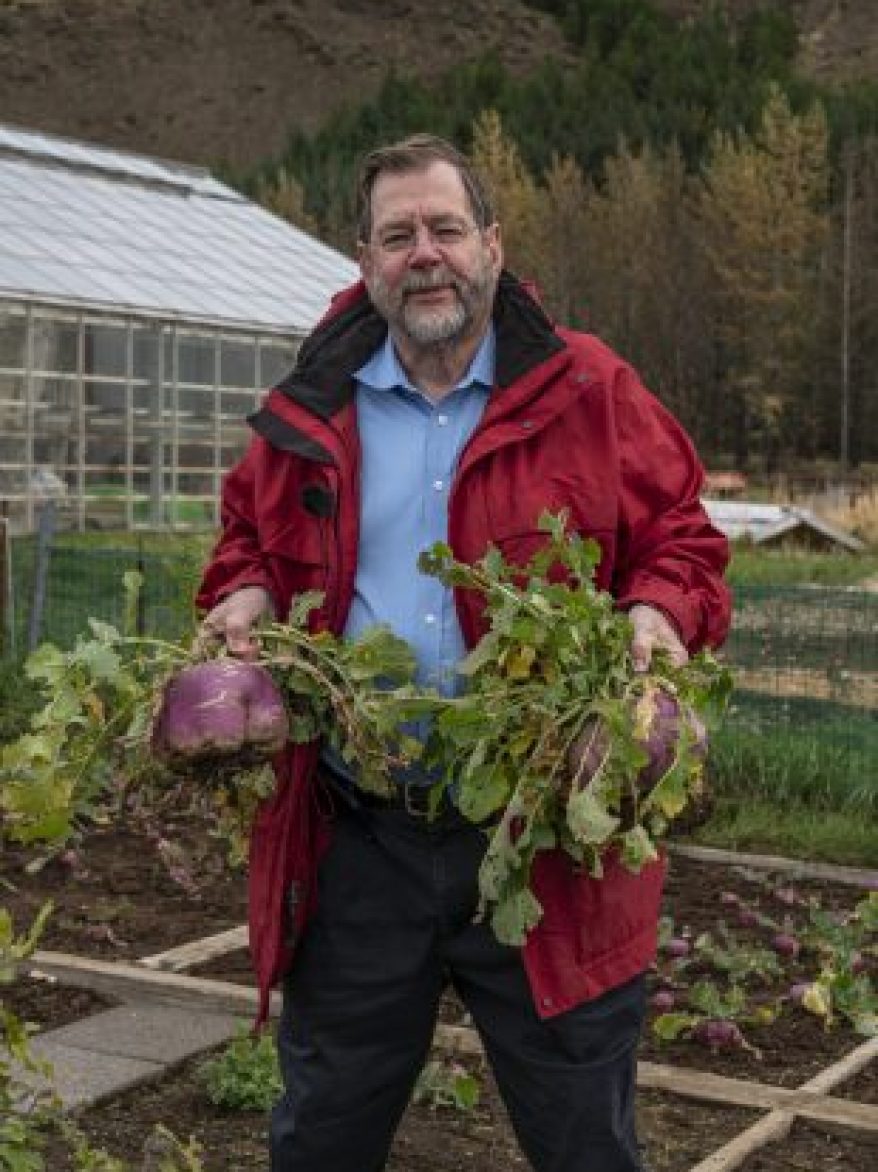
663,1001
220,708
659,719
719,1034
786,945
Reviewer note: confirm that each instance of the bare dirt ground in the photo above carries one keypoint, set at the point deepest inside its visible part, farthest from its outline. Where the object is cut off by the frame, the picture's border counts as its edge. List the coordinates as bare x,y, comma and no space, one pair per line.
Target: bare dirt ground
229,80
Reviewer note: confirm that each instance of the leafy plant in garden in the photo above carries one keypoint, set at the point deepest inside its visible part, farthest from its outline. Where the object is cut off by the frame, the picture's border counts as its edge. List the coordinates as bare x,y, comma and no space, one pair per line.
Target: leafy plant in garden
245,1075
714,1017
556,733
445,1082
93,746
843,985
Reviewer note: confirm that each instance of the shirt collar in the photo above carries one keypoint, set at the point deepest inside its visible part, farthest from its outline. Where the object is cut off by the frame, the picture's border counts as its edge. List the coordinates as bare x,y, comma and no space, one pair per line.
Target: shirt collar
384,372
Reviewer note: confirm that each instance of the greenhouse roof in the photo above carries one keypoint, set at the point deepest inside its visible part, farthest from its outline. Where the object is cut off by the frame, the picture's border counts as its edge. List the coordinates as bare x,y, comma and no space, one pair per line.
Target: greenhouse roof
98,228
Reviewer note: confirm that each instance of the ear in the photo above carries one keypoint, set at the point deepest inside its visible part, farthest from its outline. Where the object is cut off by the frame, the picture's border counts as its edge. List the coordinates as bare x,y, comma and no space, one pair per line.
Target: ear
494,244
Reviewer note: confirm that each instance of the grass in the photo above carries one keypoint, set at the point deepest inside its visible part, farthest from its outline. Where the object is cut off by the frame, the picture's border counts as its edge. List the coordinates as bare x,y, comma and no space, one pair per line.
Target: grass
794,831
793,775
751,566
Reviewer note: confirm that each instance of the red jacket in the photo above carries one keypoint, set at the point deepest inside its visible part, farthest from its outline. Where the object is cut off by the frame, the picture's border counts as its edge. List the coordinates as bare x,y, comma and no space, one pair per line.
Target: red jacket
568,425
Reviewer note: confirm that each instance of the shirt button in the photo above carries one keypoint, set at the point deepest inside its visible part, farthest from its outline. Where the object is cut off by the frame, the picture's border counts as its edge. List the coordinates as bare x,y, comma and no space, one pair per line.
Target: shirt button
438,485
429,619
548,1002
442,420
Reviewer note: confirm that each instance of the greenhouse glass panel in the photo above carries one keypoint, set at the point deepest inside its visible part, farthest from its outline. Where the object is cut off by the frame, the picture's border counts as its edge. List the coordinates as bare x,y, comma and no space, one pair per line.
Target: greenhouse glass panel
13,389
196,358
146,346
106,349
275,362
13,340
56,345
235,406
196,404
238,363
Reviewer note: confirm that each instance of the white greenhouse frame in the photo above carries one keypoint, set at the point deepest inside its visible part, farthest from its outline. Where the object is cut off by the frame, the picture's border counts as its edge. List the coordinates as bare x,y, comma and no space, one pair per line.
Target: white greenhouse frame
124,420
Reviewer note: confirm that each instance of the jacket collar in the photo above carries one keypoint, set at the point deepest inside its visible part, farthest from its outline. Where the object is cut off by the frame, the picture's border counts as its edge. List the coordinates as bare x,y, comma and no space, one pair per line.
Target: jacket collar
323,381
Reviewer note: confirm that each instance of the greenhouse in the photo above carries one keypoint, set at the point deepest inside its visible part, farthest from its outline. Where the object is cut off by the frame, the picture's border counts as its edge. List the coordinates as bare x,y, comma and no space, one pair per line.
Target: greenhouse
144,308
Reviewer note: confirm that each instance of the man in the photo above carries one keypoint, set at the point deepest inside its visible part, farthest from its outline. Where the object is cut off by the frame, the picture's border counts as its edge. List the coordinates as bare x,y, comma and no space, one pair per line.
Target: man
436,401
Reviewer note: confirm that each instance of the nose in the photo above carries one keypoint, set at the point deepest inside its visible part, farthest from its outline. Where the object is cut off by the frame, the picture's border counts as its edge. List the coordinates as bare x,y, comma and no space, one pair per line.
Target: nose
424,250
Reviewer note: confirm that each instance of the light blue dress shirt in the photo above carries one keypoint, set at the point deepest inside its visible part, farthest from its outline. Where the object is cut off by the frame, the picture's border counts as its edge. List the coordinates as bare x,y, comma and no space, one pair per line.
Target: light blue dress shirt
410,451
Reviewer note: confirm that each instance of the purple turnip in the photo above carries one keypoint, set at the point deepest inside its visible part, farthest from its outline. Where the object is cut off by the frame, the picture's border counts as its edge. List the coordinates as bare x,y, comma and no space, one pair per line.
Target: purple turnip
799,991
677,946
663,1001
719,1034
220,708
786,945
658,717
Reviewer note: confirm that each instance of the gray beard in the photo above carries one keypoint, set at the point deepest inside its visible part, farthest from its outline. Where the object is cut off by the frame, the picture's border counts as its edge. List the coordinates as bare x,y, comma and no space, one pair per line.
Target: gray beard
437,328
426,328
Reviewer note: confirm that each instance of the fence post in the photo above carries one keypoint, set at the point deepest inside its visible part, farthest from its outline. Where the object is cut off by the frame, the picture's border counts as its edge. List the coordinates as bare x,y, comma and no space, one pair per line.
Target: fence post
45,532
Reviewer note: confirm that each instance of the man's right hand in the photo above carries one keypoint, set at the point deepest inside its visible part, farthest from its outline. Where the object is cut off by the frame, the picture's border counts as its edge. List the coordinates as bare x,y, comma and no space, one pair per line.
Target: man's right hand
234,618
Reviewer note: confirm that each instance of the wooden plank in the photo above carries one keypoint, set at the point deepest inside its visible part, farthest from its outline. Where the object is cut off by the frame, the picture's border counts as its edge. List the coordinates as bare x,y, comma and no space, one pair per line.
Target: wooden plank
811,1103
771,1128
855,876
186,956
131,982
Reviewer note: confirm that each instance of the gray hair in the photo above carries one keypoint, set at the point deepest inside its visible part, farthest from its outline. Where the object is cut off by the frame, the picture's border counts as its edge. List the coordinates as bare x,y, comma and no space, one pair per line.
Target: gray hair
415,154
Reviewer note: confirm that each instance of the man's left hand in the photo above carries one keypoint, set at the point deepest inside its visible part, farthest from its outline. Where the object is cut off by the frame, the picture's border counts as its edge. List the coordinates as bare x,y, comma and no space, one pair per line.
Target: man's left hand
652,631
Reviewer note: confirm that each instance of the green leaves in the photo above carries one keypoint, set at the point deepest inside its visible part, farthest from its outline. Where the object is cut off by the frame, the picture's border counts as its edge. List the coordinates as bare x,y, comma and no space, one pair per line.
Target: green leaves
555,660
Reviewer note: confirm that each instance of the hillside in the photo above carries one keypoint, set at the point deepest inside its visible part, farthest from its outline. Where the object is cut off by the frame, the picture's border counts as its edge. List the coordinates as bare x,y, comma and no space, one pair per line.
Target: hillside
211,80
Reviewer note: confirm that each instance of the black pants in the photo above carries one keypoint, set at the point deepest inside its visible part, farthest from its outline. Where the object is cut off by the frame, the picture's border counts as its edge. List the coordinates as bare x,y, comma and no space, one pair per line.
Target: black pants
394,926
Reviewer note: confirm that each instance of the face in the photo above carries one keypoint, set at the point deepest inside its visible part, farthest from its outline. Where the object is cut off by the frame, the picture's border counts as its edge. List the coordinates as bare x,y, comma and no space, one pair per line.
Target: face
431,273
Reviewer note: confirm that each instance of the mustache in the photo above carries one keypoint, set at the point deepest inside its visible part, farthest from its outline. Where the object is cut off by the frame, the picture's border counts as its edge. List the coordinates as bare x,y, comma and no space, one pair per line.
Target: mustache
418,282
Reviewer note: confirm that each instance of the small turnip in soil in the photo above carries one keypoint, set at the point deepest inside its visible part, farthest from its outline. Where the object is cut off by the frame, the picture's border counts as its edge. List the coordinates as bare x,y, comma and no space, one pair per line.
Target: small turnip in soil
677,946
719,1034
220,708
799,991
663,1001
786,945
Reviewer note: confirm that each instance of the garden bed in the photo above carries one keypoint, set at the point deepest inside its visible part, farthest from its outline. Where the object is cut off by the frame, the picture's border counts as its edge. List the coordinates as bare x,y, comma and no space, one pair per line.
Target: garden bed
810,1148
46,1003
430,1139
116,901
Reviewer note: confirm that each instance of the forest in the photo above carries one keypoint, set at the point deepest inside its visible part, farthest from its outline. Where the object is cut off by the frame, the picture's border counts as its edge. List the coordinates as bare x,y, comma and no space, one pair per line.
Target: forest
680,188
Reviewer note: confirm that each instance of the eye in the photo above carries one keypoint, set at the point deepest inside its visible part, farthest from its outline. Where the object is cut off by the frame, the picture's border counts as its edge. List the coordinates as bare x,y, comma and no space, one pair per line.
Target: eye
449,233
396,241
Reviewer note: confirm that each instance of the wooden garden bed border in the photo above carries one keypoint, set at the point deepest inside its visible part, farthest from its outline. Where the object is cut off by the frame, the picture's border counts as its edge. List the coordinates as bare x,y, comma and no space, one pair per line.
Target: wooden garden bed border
161,977
810,1101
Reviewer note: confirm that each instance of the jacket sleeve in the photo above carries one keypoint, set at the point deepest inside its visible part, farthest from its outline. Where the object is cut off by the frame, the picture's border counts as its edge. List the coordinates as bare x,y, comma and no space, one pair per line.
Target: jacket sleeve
670,555
236,560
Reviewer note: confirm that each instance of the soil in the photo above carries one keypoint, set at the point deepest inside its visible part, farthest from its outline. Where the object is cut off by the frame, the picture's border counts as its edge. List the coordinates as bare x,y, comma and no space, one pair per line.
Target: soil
430,1139
115,899
809,1148
43,1003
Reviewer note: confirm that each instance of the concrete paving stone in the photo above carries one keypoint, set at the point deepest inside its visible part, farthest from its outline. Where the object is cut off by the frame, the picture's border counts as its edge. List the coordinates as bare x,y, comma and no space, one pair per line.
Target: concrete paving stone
80,1076
148,1033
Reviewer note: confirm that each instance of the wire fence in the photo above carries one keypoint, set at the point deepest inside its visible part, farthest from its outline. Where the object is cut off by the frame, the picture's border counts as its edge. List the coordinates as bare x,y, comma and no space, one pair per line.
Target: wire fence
804,713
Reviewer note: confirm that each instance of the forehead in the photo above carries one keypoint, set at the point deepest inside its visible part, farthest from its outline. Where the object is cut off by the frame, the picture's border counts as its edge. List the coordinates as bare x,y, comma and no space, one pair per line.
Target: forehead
433,190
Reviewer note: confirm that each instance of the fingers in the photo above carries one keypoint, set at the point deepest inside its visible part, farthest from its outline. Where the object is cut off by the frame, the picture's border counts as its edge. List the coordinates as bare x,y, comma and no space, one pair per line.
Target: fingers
233,620
653,632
